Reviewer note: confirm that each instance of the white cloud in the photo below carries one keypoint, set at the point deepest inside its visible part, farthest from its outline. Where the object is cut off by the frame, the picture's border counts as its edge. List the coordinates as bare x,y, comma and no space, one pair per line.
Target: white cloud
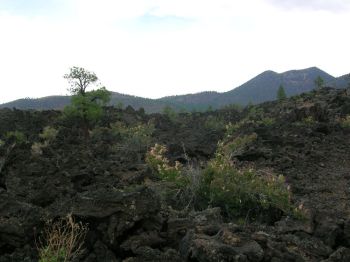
327,5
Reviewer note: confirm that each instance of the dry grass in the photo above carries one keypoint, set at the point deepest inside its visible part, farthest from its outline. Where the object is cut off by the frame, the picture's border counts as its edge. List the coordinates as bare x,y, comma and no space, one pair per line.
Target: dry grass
62,241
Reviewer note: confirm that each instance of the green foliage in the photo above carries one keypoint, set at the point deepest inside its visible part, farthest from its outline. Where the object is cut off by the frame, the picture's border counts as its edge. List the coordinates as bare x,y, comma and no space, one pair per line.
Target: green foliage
345,122
309,121
239,192
48,255
281,94
2,143
214,123
79,79
49,133
255,113
267,121
132,140
88,107
18,136
170,113
134,136
319,82
160,165
234,146
235,107
232,128
119,105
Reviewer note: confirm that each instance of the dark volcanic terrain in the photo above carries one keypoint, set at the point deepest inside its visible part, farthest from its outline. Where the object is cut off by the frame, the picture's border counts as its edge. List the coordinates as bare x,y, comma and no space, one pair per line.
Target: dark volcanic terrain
104,182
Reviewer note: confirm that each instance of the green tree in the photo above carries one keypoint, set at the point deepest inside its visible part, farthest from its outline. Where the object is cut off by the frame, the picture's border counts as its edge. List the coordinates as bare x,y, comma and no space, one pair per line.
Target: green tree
85,105
79,79
281,94
319,82
170,112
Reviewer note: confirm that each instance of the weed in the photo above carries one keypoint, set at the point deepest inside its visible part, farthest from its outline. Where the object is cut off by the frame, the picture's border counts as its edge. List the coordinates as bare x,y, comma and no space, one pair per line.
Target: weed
160,165
345,122
239,191
62,240
18,136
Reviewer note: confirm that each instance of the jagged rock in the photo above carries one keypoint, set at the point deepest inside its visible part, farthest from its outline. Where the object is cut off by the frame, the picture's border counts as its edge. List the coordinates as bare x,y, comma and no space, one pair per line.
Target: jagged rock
342,254
224,246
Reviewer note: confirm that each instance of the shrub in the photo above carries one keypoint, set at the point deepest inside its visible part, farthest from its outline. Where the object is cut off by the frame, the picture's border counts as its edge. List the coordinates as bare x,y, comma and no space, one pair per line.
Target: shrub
232,128
62,241
236,145
239,192
267,121
345,122
214,123
170,113
161,167
18,136
308,120
37,148
49,133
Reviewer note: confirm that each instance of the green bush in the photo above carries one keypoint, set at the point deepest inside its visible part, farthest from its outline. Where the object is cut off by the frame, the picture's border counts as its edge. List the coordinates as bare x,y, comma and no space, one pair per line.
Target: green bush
170,113
160,165
239,192
18,136
49,133
345,122
236,145
49,255
267,121
214,123
308,121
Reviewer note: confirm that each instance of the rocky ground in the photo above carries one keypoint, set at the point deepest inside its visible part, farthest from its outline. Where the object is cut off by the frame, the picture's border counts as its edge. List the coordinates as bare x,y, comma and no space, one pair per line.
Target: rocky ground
107,185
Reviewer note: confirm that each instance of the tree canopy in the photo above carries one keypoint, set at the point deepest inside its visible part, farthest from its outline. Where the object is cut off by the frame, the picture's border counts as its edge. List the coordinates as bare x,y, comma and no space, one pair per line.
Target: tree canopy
281,94
79,79
85,105
319,82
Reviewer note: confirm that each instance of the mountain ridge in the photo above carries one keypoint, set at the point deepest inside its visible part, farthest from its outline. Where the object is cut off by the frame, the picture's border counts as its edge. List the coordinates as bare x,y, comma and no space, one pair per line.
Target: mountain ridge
260,88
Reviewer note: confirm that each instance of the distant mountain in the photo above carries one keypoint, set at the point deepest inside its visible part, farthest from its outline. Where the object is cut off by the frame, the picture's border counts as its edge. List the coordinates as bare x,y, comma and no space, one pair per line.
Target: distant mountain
264,86
259,89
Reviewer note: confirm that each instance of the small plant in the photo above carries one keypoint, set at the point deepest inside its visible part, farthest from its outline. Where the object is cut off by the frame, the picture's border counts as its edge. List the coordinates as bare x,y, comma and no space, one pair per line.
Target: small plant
345,122
37,148
49,133
160,165
308,121
240,191
214,123
319,82
18,136
281,94
234,146
62,240
170,113
267,121
135,138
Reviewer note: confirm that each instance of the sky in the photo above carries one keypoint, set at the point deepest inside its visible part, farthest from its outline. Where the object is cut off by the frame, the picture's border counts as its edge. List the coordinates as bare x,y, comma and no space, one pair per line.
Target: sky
156,48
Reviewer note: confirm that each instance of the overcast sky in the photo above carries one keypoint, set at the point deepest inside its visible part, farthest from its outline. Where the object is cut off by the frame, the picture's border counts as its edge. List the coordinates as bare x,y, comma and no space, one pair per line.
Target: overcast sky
155,48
